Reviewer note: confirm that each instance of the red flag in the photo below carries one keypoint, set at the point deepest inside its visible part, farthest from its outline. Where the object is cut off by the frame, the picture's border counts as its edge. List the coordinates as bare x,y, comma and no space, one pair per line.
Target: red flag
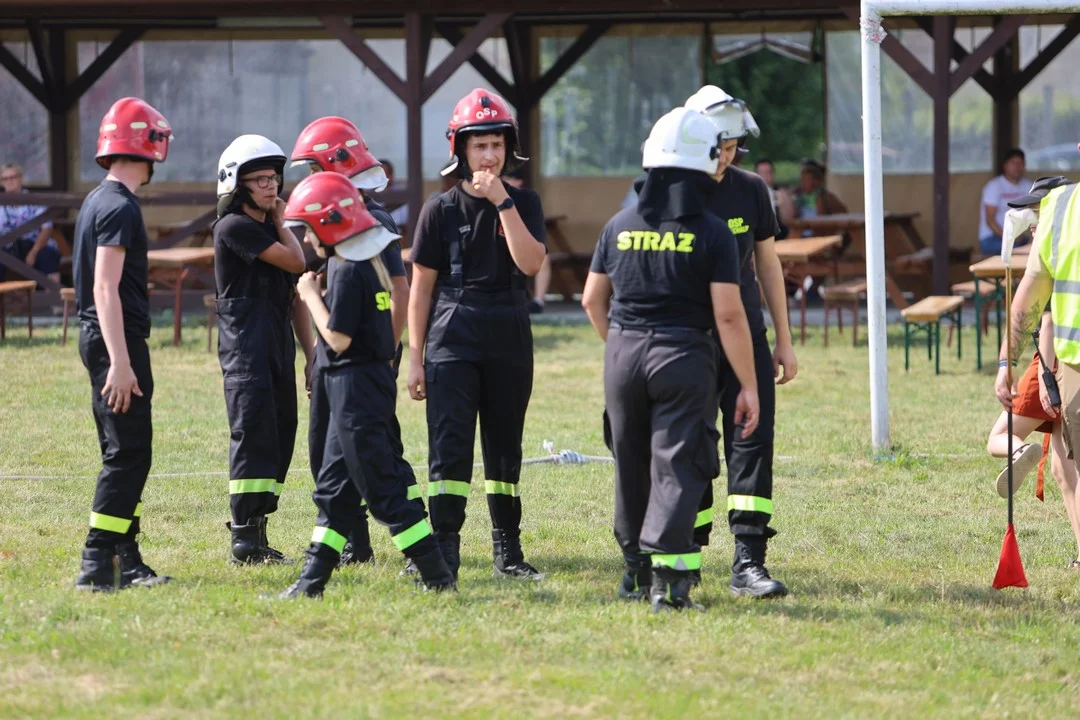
1010,570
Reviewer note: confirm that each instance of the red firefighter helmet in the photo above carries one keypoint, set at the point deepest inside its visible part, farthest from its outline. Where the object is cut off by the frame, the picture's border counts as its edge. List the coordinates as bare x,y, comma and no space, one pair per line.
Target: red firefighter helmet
478,112
331,207
334,144
133,128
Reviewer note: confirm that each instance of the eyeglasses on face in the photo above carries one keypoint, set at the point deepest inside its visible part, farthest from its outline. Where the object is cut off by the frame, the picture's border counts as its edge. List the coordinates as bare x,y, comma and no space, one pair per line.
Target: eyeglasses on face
9,178
264,181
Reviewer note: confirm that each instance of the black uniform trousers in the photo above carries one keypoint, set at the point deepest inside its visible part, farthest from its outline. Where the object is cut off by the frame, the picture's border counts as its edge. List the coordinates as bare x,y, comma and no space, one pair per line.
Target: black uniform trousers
125,440
749,460
355,460
319,425
478,362
660,393
257,350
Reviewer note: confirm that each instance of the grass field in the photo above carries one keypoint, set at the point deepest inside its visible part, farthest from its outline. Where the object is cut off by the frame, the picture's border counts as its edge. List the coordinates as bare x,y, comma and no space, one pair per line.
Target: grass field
889,563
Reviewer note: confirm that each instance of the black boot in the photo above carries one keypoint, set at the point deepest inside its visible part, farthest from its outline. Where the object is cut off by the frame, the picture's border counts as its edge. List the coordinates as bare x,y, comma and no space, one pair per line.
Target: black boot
637,579
319,564
450,547
358,547
434,573
671,590
509,560
247,547
133,571
278,556
748,573
98,571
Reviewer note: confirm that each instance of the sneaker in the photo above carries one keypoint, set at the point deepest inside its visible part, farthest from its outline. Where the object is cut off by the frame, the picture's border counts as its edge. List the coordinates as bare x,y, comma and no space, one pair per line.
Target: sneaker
1025,459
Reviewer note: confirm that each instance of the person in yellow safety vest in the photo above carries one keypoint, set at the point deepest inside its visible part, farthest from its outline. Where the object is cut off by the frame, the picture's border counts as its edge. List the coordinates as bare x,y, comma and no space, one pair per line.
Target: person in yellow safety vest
1052,273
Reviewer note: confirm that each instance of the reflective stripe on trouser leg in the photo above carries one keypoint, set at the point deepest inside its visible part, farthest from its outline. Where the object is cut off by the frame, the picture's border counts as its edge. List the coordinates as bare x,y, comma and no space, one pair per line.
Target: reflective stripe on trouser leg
126,441
749,459
328,537
682,561
362,400
453,390
749,503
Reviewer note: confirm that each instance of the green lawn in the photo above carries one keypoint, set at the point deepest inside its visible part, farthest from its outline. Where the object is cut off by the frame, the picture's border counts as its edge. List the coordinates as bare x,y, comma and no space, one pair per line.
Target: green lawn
890,563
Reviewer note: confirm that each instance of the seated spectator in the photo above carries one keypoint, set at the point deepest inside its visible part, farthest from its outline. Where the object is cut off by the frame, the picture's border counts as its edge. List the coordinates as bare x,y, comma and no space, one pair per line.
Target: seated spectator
997,193
36,248
812,199
781,198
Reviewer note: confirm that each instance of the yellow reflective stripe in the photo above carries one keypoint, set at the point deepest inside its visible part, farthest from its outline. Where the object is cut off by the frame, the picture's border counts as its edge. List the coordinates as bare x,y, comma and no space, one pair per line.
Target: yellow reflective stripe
749,503
99,521
363,502
329,538
253,485
448,487
413,493
1061,206
494,487
703,518
685,561
278,487
138,510
413,535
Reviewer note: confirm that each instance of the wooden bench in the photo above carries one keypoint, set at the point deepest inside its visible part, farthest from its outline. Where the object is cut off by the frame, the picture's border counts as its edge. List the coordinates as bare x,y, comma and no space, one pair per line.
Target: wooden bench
17,286
926,315
210,302
851,291
986,298
68,296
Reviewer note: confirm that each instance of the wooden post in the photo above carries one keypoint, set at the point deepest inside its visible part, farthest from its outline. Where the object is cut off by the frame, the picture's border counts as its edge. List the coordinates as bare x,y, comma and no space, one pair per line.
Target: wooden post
943,35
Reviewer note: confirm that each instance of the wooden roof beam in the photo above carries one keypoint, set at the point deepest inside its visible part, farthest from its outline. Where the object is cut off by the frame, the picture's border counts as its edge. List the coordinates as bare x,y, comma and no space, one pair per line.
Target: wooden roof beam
463,50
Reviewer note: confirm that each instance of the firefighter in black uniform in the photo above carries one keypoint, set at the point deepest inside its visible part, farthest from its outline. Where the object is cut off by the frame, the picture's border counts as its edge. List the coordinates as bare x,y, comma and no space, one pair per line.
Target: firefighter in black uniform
334,144
256,263
742,199
472,249
355,388
111,273
667,270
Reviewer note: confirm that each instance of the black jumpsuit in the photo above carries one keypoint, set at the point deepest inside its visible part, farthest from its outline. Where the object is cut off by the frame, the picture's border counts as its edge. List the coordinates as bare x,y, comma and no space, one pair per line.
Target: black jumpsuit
479,356
111,217
257,352
659,376
742,200
353,401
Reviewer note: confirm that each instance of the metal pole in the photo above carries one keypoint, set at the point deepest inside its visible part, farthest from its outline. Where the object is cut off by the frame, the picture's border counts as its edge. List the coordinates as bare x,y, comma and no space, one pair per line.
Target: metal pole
885,8
872,35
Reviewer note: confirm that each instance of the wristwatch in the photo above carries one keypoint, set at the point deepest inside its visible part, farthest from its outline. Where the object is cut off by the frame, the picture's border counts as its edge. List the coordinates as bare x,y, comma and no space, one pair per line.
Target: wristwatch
506,204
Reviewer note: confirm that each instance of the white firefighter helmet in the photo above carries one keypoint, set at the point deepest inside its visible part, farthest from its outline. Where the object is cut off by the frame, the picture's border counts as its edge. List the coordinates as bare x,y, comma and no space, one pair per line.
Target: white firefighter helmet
246,154
683,138
730,116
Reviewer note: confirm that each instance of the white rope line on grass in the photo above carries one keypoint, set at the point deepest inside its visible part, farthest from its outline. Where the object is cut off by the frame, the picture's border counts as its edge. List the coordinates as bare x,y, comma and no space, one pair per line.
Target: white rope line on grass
563,457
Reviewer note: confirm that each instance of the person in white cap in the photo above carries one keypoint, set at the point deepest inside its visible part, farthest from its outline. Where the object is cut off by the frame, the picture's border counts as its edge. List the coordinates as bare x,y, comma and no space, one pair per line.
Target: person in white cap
256,263
742,199
664,279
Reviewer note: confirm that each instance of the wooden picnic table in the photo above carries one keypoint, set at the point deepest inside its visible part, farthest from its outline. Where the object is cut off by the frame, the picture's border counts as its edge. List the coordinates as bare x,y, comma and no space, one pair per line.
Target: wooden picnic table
187,260
798,257
856,222
992,271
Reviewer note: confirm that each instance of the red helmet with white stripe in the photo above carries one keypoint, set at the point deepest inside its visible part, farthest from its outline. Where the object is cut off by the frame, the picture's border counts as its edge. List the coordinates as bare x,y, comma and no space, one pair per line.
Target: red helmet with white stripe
133,128
331,207
334,144
481,111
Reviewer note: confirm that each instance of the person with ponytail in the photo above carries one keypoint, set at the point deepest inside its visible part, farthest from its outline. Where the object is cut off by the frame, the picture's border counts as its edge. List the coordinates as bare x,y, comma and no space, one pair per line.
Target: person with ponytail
353,396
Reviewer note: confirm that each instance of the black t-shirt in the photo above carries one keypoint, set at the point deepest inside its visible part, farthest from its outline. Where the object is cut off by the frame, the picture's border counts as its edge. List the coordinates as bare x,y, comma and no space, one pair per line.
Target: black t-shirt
487,265
660,276
111,217
360,308
742,200
238,271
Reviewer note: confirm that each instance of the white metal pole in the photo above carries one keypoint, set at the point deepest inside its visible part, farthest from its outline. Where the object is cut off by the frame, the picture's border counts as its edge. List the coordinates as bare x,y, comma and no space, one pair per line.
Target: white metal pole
887,8
872,35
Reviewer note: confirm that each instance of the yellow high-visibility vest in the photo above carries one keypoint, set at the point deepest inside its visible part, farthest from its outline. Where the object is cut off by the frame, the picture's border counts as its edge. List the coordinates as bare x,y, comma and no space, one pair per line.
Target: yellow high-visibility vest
1057,241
